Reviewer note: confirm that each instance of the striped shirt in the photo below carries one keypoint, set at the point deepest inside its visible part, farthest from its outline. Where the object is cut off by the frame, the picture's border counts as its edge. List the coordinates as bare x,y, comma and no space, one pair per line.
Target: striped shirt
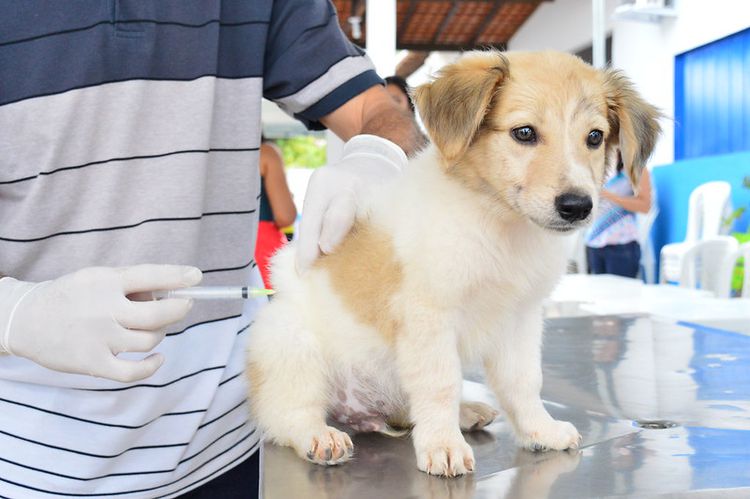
614,224
129,133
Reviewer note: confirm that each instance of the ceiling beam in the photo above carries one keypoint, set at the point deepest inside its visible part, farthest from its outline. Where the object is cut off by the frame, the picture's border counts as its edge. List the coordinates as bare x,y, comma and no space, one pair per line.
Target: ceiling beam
446,21
487,20
407,18
446,46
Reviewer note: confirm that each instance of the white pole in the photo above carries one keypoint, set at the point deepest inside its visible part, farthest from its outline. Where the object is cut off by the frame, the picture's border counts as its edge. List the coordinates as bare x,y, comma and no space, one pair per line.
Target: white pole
381,48
381,35
598,41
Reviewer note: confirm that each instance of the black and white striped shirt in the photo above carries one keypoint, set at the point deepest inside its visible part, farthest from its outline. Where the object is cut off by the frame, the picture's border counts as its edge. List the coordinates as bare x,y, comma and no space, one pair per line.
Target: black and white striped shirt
129,133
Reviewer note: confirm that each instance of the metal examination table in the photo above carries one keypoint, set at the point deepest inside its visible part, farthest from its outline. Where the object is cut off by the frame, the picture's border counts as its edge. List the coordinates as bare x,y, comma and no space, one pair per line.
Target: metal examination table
663,407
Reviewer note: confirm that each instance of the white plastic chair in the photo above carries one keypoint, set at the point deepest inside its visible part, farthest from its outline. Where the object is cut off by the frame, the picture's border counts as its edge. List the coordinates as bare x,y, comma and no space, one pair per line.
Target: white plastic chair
648,261
706,265
709,203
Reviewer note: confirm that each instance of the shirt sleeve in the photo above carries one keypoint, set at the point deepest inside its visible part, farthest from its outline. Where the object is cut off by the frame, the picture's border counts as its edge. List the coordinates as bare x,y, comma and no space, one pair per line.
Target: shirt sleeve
310,67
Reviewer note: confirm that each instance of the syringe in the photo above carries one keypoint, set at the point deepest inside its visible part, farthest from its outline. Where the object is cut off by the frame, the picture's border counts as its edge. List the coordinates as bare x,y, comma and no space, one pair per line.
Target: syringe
213,293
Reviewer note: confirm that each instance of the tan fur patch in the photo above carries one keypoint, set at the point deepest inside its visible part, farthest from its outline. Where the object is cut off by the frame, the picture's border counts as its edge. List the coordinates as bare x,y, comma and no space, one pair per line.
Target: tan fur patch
562,99
562,110
453,106
365,274
635,122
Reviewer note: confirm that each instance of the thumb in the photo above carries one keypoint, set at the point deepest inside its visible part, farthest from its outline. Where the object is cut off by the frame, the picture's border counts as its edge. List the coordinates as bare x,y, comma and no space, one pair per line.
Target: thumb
337,223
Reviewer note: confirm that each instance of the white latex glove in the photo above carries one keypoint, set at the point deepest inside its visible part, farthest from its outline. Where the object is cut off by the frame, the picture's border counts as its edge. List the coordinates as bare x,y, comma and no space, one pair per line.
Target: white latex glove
334,191
78,323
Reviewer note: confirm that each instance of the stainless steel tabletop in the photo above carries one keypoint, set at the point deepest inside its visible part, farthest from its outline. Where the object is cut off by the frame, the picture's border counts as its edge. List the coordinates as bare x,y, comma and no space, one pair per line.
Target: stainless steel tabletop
688,386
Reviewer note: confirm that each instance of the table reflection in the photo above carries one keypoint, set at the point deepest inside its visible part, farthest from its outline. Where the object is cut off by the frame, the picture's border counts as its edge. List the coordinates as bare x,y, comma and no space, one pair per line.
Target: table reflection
602,373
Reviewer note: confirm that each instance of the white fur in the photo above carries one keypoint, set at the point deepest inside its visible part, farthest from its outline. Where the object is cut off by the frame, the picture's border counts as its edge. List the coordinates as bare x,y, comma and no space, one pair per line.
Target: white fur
473,282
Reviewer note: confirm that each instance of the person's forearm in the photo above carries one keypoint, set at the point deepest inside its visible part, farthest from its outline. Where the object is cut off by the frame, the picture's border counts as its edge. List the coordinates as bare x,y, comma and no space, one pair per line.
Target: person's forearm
397,126
374,112
633,204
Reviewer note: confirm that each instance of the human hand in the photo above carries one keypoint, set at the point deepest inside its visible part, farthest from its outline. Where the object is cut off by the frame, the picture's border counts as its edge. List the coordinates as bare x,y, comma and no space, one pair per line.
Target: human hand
334,193
79,322
608,195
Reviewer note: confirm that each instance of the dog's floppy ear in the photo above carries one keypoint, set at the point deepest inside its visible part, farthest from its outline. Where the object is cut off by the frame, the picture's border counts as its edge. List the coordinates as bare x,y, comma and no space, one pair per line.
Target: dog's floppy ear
633,122
453,106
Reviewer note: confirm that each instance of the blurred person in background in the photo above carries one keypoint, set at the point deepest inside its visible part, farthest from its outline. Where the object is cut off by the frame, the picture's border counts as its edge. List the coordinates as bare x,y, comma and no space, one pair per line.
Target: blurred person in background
277,210
612,240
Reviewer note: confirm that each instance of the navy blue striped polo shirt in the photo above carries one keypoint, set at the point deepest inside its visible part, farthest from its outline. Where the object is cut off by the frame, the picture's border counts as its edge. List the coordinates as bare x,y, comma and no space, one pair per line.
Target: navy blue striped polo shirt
129,133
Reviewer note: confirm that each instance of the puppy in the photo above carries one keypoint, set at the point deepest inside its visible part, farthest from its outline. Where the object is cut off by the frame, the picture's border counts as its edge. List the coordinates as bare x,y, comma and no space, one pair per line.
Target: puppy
449,263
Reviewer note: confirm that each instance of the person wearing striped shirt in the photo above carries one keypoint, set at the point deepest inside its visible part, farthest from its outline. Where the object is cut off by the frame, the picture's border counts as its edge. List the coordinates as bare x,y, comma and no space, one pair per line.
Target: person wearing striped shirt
129,137
612,239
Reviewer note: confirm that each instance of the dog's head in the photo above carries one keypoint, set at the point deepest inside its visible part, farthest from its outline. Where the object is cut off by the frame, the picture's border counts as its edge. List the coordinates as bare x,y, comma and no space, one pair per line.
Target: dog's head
537,131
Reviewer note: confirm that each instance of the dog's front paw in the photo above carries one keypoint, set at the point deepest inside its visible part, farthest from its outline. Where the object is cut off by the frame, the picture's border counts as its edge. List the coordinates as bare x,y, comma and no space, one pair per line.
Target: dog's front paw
445,456
328,447
551,435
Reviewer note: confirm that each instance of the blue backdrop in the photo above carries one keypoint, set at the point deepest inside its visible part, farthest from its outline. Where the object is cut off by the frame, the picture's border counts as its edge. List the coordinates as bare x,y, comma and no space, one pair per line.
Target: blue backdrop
712,98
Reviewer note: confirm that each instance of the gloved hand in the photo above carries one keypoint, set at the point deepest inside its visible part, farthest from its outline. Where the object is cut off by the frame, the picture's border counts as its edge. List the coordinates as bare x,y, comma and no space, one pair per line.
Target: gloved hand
78,323
333,193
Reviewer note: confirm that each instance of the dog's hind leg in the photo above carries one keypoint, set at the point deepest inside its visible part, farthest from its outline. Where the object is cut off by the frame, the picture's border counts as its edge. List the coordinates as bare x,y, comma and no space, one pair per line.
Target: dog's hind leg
289,387
474,416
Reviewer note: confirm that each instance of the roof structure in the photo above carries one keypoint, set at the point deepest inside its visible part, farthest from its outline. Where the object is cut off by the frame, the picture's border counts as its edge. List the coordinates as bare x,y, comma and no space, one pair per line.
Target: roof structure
426,25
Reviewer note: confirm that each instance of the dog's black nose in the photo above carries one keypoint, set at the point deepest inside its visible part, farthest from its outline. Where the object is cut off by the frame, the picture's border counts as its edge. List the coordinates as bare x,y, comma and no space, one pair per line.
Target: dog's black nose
573,207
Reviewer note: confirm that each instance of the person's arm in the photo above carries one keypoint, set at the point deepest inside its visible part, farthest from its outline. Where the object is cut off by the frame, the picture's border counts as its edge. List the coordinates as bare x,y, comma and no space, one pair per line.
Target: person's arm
639,203
373,112
378,137
276,187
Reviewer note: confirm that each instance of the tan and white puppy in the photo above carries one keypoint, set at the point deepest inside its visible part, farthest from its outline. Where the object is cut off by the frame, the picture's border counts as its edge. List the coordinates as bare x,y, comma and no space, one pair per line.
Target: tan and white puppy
449,263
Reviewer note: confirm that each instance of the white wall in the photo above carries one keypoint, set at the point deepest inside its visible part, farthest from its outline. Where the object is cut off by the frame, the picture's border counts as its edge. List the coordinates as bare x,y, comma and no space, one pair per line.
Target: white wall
559,25
645,51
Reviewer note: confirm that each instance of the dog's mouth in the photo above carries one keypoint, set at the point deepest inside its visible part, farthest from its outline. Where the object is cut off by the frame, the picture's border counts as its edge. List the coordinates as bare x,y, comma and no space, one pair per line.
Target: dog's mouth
561,227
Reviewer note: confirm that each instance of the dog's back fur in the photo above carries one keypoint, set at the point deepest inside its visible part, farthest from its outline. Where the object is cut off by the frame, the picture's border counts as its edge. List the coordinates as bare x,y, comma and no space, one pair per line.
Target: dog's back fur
449,262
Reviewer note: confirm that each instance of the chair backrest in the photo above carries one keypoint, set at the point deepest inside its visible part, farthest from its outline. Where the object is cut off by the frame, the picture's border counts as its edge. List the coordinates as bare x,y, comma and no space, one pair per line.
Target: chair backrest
706,265
645,221
709,203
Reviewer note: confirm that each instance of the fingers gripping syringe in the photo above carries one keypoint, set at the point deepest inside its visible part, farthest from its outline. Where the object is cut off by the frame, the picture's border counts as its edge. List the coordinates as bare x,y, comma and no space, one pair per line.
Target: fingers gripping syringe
213,293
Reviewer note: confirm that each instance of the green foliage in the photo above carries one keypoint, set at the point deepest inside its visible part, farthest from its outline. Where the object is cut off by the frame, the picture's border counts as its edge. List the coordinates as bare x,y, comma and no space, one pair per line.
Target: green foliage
737,213
305,151
742,237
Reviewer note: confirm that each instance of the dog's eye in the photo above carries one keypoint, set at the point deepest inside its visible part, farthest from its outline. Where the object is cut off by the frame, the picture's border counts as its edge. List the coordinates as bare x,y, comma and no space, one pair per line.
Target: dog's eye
595,138
524,134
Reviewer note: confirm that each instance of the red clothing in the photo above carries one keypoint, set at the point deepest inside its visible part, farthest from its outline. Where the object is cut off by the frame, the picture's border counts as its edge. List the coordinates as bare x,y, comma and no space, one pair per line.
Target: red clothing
270,239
